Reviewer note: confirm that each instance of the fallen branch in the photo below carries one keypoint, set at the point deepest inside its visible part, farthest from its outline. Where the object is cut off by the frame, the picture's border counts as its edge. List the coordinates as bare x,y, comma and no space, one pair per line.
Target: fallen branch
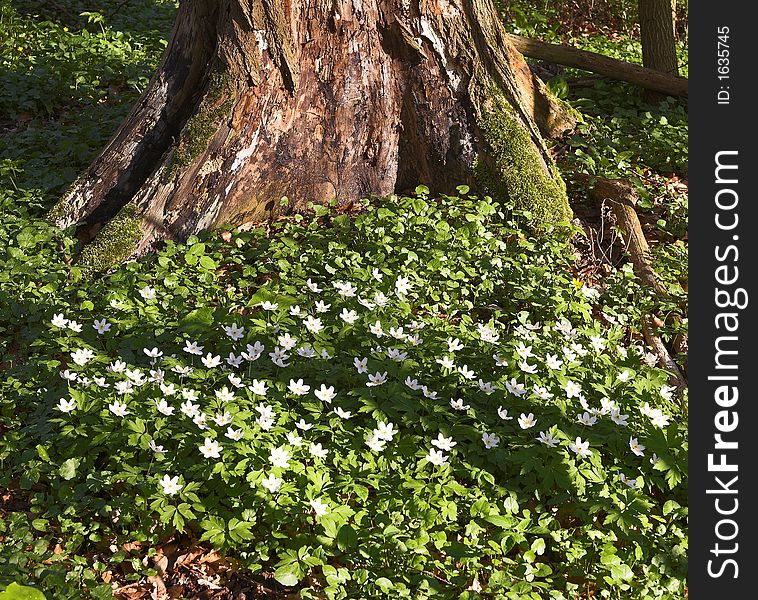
622,198
672,85
656,343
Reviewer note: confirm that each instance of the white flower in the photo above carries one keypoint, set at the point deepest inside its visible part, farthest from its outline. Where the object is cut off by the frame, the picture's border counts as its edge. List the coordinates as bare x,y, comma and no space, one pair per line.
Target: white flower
224,394
624,376
182,371
200,420
542,392
586,419
190,410
301,424
377,379
325,394
322,307
306,352
193,348
375,442
590,293
524,351
503,414
317,450
444,443
466,372
270,306
136,377
553,362
564,327
59,321
189,394
396,355
313,324
402,286
527,368
385,431
487,333
632,483
222,419
397,333
349,316
342,414
319,507
298,387
296,311
233,360
654,459
158,449
366,302
458,404
377,274
100,326
547,438
210,448
660,420
579,349
170,485
82,356
454,344
272,483
345,289
123,387
606,406
376,329
446,362
412,383
667,392
294,439
279,457
436,457
581,448
500,361
515,388
490,440
650,359
66,406
313,287
527,421
266,411
147,293
164,408
100,382
487,386
118,409
636,447
569,354
428,393
211,361
259,388
598,342
69,375
265,423
361,364
572,389
234,434
414,340
234,332
152,353
622,352
618,418
74,326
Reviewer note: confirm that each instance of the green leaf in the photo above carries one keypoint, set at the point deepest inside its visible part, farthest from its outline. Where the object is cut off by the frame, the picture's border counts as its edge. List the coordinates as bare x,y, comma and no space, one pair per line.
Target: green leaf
68,469
347,538
288,574
384,584
21,592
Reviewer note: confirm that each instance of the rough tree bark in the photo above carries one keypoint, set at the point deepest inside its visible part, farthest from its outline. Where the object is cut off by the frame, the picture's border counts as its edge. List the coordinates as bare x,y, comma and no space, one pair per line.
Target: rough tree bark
658,37
315,100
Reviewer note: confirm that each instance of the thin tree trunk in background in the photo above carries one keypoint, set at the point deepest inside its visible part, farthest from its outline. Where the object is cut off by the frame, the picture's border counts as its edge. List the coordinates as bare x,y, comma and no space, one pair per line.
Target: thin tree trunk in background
658,36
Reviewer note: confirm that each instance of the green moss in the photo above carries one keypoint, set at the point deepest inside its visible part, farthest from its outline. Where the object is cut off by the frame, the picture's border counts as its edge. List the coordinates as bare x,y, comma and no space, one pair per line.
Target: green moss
63,205
115,242
514,170
200,128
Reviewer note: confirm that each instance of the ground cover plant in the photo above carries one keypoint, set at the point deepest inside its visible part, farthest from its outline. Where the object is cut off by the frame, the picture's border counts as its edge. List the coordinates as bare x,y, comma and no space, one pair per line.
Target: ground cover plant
413,397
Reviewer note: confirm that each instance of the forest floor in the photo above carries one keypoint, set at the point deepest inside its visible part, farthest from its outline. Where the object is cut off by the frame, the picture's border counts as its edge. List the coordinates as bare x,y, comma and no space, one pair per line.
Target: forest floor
69,73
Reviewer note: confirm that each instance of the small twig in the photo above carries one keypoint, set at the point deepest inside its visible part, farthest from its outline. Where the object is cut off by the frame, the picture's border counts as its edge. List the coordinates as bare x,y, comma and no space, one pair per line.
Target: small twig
656,343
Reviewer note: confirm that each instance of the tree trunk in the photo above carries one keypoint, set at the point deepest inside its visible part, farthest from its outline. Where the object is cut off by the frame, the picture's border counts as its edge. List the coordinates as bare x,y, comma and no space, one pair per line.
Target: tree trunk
658,36
259,99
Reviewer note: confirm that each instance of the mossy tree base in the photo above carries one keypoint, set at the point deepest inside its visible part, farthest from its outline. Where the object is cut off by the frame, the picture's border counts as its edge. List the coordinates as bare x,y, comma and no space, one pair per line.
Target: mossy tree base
314,101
